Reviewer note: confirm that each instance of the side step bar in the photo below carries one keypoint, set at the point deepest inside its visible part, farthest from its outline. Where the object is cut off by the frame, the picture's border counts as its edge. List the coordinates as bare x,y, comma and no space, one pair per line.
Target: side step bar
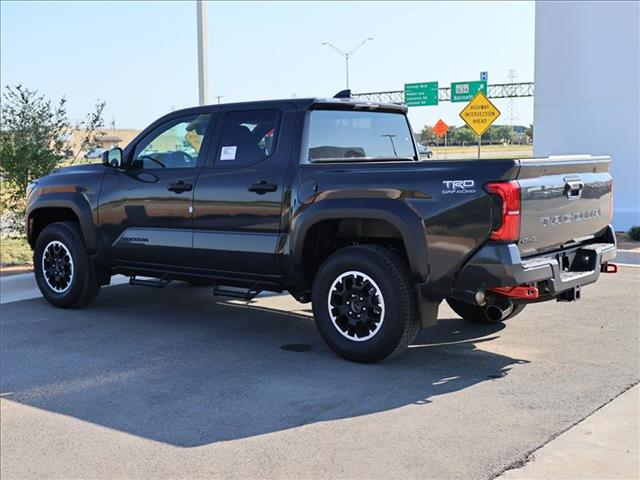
242,294
156,282
245,294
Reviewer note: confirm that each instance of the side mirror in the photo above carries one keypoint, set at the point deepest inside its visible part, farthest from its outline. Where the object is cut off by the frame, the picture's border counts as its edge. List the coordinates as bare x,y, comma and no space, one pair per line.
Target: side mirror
113,158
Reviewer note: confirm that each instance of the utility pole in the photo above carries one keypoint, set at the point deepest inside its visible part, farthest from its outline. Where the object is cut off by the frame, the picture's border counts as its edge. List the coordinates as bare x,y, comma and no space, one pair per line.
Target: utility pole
218,97
347,55
201,14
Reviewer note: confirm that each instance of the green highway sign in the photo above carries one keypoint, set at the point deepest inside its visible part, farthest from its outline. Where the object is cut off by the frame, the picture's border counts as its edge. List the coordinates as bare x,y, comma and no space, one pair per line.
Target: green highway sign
465,91
421,94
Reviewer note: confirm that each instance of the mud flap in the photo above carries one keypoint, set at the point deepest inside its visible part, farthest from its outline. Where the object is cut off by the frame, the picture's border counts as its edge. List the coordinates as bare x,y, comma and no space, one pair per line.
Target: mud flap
427,309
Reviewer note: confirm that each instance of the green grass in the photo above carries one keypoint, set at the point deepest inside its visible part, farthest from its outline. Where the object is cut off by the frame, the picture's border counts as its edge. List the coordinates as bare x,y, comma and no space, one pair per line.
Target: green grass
14,250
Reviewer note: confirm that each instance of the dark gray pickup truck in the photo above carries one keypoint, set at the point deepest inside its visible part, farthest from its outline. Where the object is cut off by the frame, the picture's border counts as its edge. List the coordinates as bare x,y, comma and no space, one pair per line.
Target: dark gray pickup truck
326,199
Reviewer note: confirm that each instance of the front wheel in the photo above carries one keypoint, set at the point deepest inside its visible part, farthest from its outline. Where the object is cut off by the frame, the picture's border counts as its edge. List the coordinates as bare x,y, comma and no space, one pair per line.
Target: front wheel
364,304
62,266
476,313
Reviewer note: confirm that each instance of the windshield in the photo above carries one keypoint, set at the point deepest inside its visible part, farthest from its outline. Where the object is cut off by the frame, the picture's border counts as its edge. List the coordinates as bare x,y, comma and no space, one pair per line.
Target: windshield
347,135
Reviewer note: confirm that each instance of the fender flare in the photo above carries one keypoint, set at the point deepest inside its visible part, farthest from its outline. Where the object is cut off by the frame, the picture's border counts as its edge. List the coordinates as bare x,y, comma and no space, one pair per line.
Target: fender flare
398,214
73,201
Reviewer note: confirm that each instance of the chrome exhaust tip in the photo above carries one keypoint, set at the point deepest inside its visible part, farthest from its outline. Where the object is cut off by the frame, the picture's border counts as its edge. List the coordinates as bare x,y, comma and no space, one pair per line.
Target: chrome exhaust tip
497,312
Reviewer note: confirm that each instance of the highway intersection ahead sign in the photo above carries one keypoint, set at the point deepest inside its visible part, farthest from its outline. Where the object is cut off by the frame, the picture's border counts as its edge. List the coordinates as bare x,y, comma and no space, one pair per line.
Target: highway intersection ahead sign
479,114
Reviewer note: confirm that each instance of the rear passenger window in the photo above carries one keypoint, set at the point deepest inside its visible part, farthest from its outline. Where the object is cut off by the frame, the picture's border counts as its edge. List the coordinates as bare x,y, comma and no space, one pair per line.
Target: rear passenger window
247,137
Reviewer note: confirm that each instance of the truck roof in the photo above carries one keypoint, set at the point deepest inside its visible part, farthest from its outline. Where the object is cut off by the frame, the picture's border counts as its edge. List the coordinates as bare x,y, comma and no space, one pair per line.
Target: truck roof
307,104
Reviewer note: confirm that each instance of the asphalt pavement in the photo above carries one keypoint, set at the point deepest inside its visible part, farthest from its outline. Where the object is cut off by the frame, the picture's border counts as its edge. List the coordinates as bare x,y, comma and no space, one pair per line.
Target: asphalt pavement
169,383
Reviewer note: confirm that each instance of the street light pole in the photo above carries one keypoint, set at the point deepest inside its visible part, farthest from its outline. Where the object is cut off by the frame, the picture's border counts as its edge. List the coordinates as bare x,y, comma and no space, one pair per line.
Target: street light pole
347,55
201,14
346,60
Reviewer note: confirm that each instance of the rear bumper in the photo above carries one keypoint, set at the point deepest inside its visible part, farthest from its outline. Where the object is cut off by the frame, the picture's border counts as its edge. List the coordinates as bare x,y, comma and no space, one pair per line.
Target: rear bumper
500,265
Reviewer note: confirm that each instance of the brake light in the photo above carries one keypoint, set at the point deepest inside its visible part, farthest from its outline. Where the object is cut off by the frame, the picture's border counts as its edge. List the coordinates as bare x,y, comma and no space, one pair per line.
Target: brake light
509,193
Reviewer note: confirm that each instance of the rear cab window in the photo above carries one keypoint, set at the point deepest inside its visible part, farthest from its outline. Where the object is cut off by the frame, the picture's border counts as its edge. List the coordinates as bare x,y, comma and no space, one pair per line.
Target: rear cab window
351,136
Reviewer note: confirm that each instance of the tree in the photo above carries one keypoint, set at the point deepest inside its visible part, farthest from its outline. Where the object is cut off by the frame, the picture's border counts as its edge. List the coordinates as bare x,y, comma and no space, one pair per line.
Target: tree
504,134
449,137
33,138
529,132
427,134
93,126
464,135
32,133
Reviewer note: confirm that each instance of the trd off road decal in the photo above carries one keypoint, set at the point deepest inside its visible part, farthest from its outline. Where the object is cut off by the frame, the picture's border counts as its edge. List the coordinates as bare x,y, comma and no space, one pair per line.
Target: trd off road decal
458,186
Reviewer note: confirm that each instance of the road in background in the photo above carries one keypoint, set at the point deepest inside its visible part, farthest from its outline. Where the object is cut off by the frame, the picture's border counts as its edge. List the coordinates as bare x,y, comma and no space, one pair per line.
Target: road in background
486,151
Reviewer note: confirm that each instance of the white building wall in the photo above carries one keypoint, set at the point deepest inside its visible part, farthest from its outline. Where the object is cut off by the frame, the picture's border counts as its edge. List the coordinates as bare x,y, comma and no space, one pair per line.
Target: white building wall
587,90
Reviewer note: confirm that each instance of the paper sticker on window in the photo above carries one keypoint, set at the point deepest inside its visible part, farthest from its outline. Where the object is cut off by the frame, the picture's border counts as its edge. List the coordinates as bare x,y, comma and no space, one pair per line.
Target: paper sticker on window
228,153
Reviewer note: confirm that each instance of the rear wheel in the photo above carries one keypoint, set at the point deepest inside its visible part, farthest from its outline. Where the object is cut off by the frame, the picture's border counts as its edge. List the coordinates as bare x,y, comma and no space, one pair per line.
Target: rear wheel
364,304
477,314
62,266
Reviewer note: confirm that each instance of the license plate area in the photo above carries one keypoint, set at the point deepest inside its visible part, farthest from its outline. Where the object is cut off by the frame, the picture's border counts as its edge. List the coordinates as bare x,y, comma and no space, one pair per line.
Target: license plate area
576,261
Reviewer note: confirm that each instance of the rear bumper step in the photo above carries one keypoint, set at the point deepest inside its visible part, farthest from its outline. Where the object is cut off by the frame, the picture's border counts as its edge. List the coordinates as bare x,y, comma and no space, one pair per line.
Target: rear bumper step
500,266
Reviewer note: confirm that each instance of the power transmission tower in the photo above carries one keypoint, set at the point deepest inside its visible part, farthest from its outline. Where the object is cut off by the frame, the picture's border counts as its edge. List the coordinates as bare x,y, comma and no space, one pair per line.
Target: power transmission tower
512,115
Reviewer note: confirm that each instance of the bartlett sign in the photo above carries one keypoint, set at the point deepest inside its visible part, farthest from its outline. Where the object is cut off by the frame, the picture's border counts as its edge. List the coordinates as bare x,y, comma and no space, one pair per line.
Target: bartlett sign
479,114
464,91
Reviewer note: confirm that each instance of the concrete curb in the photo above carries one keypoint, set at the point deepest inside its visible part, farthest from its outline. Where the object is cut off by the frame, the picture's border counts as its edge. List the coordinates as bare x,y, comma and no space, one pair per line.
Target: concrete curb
603,445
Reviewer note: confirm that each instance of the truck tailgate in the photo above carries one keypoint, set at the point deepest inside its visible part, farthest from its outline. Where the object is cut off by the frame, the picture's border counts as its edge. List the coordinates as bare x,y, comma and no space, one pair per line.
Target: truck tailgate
563,199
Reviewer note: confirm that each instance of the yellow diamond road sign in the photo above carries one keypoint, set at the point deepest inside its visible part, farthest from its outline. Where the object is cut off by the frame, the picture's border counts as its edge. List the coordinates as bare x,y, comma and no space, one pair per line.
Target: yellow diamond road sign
479,113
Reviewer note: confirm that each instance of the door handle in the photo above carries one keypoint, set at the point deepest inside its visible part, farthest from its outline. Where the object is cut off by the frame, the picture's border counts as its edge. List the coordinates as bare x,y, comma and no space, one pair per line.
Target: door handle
180,187
262,187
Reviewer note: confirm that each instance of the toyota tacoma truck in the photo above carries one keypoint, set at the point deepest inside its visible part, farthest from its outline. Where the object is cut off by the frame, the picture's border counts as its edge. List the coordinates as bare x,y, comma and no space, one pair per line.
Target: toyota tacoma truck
326,199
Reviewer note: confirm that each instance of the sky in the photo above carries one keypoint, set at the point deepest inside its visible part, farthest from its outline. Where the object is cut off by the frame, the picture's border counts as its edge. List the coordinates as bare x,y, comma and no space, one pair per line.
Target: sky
141,57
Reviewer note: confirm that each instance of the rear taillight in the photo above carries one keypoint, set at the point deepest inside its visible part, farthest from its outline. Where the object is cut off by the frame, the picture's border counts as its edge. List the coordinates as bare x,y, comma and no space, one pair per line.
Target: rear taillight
509,193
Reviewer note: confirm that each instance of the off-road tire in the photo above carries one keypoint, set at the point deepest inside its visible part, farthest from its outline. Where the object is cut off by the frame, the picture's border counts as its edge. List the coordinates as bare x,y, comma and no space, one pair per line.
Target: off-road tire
83,285
475,313
400,320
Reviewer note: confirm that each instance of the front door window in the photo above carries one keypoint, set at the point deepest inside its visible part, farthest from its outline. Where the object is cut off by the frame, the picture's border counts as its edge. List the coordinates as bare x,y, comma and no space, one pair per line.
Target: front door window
175,144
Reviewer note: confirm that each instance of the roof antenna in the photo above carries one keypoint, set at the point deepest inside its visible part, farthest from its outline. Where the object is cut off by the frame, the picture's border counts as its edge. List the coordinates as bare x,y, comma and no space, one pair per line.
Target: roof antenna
343,94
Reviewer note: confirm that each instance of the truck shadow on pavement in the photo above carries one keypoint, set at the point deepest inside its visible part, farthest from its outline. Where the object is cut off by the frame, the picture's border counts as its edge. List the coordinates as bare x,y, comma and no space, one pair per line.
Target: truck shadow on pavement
176,367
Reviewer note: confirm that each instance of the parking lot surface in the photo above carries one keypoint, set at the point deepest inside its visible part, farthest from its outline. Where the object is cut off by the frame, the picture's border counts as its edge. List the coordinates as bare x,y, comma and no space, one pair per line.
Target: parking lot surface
172,384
